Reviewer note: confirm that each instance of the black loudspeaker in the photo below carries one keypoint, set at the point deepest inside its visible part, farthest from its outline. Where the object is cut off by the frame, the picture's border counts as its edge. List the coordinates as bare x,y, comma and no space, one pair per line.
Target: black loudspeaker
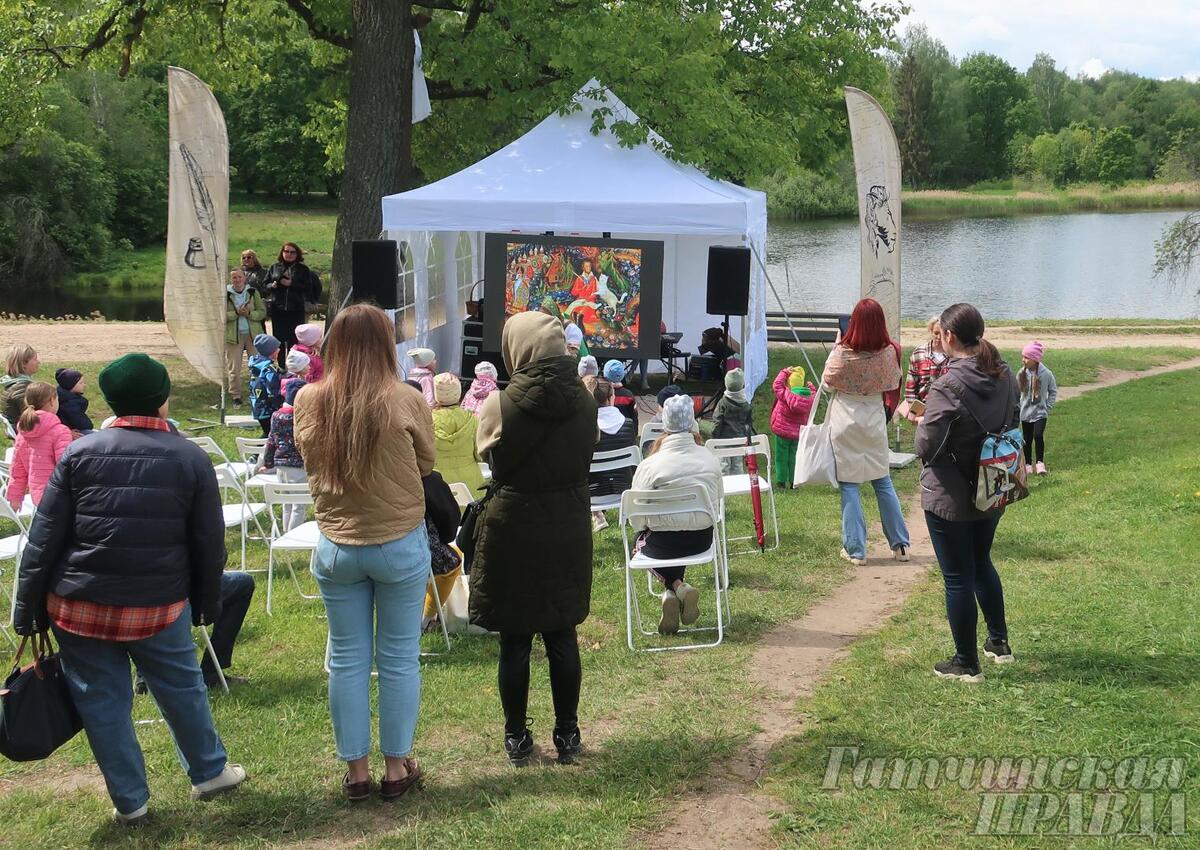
473,353
728,281
374,270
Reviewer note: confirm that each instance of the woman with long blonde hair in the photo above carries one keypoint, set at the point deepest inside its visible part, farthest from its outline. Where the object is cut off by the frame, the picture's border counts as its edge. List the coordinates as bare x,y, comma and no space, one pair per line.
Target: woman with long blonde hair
367,440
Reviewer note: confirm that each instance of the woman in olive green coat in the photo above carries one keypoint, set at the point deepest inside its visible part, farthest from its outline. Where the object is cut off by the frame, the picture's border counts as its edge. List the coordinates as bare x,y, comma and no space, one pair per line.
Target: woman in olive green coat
532,567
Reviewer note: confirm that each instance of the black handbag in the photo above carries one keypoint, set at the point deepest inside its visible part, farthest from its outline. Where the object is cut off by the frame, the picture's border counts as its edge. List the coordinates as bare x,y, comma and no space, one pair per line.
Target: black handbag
37,714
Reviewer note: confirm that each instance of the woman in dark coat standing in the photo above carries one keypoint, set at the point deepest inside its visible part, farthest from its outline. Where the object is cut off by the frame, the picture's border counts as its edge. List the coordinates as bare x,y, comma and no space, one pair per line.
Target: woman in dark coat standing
532,567
289,286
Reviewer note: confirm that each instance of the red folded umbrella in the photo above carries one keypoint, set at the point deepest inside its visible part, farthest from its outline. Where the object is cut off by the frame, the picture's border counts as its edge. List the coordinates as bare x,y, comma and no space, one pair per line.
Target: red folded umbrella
756,497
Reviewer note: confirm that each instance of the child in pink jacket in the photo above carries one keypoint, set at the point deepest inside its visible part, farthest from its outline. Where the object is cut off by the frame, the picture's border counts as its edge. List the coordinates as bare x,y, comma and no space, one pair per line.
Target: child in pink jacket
793,403
308,340
41,441
483,386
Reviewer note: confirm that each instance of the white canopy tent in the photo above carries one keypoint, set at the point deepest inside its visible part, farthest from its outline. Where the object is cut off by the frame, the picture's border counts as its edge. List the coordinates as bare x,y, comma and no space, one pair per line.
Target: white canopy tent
561,177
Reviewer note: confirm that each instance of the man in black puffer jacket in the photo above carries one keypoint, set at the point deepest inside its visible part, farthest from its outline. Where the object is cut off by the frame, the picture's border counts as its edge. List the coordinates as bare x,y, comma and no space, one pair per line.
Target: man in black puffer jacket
125,554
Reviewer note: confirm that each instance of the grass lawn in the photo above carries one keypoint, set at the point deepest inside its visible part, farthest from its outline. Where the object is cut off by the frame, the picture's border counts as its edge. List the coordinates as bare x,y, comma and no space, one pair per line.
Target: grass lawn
653,724
1101,608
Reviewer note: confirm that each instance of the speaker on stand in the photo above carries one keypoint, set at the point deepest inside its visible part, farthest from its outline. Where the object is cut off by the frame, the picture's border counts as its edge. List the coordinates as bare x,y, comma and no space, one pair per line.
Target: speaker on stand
375,268
728,292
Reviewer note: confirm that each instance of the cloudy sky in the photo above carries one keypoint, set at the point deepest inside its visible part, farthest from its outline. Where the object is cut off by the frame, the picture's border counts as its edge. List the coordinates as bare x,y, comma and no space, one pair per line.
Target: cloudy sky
1156,38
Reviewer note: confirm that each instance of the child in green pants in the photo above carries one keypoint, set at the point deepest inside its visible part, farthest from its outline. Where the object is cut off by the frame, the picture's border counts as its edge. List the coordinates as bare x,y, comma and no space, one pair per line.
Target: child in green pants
793,403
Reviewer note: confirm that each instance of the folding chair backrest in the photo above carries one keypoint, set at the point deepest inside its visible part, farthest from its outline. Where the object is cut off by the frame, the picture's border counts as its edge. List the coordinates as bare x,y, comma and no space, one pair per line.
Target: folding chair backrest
651,431
691,498
250,448
462,493
226,480
287,494
630,456
210,445
9,430
736,446
7,513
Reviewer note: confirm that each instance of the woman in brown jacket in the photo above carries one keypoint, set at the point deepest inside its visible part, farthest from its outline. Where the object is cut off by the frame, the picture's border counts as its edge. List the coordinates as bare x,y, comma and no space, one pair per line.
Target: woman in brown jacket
367,440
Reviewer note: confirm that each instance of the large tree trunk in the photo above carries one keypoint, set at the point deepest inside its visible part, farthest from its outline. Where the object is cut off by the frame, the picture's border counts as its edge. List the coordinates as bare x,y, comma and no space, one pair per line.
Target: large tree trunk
378,128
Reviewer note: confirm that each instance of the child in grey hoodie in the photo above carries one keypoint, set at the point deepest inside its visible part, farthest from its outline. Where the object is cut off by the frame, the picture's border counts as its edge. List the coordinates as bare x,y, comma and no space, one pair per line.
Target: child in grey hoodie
1039,391
733,418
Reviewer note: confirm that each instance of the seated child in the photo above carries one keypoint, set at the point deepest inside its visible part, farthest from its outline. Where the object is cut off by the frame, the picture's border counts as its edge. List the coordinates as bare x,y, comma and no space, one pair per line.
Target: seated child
454,432
576,346
308,340
282,454
299,368
733,417
72,403
423,370
789,413
623,399
616,432
667,392
266,394
484,385
442,517
41,441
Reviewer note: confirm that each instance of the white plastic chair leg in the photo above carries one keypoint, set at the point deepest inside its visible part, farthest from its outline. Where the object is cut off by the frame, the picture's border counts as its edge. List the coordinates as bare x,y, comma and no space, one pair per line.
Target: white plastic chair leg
270,577
437,601
212,653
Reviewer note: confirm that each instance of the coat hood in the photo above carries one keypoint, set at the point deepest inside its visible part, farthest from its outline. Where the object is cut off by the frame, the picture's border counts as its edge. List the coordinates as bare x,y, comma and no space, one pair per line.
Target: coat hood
610,419
530,337
972,383
451,422
46,422
482,386
544,382
7,381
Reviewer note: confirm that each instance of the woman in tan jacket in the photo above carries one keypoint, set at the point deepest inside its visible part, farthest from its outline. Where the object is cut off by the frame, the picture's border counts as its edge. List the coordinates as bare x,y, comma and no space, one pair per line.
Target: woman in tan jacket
367,440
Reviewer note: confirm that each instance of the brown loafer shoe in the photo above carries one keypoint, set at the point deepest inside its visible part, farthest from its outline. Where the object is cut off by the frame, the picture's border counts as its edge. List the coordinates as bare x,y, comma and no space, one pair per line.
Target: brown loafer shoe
355,792
394,789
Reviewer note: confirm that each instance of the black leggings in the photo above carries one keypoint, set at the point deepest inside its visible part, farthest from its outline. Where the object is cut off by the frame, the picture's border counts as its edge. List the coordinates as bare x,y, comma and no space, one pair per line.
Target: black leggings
283,328
562,651
964,553
1035,437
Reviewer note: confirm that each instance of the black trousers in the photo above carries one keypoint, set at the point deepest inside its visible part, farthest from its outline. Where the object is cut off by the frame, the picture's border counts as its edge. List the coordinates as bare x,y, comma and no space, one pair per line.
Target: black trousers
566,675
283,328
1035,437
964,553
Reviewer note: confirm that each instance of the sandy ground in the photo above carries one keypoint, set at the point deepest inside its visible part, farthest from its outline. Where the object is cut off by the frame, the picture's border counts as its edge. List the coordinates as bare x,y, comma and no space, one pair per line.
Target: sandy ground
91,342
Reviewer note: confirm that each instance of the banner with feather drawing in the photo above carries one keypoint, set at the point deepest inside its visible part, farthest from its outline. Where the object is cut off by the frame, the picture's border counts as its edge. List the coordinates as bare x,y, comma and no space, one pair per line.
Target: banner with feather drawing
877,173
197,224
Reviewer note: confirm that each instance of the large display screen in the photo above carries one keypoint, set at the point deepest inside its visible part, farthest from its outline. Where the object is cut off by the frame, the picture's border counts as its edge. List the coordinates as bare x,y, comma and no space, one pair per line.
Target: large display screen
610,288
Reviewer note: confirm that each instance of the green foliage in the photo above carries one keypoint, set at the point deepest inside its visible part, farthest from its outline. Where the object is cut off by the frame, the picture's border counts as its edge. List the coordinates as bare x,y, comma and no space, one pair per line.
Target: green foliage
1114,155
803,193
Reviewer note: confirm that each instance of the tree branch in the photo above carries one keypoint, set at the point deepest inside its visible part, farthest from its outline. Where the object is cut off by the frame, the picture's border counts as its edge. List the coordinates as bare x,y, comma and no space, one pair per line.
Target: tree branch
317,30
136,24
444,5
473,17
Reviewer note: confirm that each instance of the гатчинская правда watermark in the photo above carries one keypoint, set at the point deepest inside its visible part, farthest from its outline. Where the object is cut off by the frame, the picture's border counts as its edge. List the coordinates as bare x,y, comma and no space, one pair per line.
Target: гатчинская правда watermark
1079,795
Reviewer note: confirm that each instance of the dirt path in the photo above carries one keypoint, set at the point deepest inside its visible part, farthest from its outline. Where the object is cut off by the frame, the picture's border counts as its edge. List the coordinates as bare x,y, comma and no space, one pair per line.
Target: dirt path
92,342
731,809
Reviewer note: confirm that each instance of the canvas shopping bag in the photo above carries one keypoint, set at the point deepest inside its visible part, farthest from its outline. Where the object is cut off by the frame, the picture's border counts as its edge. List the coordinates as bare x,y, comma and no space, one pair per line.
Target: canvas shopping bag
814,450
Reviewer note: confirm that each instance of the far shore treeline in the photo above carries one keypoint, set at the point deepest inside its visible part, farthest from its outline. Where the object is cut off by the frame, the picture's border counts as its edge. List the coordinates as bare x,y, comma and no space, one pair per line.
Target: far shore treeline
83,150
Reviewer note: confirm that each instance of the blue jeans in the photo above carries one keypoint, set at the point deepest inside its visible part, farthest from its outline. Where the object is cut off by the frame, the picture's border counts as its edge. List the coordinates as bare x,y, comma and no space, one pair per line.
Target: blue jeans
964,553
97,673
374,596
854,524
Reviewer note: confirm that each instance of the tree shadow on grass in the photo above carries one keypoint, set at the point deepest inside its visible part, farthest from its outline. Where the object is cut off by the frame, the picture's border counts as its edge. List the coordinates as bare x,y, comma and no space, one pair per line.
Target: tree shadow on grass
1089,666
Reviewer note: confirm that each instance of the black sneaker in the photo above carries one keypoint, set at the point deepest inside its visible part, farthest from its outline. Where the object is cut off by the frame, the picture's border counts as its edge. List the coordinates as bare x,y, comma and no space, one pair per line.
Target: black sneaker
569,745
954,668
518,747
139,686
999,651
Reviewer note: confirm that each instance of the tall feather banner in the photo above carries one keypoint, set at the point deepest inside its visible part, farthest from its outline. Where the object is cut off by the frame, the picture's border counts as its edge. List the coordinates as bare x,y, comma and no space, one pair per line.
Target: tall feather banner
877,173
197,224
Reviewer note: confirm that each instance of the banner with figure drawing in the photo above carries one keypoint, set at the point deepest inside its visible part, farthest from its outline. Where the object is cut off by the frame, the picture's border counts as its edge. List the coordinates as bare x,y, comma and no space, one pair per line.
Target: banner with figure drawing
197,224
877,172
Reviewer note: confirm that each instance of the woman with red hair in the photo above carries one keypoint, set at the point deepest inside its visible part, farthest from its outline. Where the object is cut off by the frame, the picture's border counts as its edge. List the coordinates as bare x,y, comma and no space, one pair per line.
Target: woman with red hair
863,367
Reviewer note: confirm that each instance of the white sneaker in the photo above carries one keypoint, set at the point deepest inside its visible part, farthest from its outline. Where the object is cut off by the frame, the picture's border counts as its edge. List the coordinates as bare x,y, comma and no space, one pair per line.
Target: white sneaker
134,818
231,777
1029,469
669,624
858,562
900,553
689,600
1041,468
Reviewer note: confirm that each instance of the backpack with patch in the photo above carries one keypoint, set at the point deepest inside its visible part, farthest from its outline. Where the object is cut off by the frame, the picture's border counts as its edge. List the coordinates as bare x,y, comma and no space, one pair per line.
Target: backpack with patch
1000,479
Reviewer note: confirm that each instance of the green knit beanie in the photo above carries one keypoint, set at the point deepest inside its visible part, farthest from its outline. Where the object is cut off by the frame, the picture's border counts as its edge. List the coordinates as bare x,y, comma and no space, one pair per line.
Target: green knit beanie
135,385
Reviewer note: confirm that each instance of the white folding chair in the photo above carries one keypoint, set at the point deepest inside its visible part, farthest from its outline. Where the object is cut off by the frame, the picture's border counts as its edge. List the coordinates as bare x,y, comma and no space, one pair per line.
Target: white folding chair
651,431
739,485
27,506
626,458
303,538
209,445
237,513
485,471
462,494
676,500
212,653
10,550
250,450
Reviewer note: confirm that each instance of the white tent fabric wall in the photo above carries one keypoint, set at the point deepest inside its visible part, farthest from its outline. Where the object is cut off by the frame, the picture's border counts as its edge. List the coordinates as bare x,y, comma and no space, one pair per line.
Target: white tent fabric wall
560,177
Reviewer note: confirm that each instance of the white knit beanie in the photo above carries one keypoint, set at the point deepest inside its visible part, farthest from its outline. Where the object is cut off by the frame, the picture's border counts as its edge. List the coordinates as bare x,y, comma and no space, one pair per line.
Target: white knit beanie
422,356
588,366
573,334
679,415
485,368
297,361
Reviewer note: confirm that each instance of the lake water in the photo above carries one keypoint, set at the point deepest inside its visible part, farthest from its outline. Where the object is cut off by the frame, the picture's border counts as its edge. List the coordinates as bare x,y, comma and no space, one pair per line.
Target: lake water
1087,265
1080,266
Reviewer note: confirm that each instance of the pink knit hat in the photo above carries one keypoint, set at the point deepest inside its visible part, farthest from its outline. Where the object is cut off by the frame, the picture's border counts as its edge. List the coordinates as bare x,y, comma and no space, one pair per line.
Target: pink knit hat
1033,351
309,335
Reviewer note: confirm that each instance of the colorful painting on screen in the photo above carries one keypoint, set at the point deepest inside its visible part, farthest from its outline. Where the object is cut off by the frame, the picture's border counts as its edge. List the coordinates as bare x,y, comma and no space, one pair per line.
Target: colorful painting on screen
597,288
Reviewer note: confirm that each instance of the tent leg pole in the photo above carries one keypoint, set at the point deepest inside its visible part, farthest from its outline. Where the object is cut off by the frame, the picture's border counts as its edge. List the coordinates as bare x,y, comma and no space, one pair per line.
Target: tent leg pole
811,369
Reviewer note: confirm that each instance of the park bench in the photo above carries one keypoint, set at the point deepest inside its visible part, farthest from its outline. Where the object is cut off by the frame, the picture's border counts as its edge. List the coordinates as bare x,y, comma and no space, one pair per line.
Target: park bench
809,327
